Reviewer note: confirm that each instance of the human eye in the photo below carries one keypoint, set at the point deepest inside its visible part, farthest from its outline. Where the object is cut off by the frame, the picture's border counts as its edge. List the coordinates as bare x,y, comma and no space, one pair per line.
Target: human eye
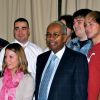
24,28
92,23
20,28
56,35
16,28
85,24
48,35
11,56
79,22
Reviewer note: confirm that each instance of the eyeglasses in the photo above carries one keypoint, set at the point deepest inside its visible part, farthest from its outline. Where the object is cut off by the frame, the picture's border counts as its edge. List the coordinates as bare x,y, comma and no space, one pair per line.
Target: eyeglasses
55,35
20,28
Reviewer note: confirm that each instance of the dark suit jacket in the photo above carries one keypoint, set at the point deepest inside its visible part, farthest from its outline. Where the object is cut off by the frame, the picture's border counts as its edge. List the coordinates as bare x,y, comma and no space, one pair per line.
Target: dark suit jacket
70,80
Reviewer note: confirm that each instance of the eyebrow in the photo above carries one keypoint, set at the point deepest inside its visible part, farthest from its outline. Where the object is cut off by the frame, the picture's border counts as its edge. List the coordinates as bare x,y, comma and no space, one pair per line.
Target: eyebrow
80,19
21,27
52,33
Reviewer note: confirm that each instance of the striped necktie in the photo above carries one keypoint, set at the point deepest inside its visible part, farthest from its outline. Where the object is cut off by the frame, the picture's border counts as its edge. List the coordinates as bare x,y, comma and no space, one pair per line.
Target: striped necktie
42,95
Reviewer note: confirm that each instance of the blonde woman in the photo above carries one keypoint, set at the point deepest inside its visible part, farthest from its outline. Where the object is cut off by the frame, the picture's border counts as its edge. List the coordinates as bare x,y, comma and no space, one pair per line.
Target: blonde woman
16,83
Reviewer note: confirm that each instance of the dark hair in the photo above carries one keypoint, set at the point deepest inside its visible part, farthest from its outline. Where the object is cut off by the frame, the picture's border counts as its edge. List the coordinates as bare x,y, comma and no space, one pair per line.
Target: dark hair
68,19
21,20
69,23
81,13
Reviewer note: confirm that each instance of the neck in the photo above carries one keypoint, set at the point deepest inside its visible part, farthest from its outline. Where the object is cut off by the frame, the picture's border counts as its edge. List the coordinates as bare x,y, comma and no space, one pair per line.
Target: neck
83,38
96,39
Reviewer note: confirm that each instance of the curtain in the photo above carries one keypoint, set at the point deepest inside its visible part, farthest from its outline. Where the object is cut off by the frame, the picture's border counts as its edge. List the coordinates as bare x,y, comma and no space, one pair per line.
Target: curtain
70,6
10,10
39,13
43,12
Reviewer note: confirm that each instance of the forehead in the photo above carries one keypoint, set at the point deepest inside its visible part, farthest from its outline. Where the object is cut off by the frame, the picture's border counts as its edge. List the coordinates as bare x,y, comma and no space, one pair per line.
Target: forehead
54,27
89,19
9,52
79,19
20,24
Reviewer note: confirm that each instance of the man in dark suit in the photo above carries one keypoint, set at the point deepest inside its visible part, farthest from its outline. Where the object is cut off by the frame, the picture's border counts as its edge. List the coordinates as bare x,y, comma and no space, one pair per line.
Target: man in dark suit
70,76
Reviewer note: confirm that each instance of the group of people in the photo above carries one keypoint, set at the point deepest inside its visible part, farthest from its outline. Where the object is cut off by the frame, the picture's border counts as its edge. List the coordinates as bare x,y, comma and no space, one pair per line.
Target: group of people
18,64
73,43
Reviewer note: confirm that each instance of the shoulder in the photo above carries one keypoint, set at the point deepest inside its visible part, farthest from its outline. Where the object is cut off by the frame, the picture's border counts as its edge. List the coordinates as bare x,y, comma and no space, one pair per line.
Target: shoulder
27,78
42,58
3,43
75,54
27,84
78,59
34,46
44,54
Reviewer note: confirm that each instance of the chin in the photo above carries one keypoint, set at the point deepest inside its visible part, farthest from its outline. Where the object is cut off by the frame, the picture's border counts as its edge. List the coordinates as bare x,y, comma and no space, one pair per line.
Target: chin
89,37
9,68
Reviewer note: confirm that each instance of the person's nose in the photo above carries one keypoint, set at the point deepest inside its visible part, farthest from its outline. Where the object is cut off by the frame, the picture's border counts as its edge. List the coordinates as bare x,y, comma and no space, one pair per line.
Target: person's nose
20,30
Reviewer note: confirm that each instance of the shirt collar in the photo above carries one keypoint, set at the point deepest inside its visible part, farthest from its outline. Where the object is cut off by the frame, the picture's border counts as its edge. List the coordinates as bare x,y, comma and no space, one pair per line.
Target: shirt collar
23,45
59,53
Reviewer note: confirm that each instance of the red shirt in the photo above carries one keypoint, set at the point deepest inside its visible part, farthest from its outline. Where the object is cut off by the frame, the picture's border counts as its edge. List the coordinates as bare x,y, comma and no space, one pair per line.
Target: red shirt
94,72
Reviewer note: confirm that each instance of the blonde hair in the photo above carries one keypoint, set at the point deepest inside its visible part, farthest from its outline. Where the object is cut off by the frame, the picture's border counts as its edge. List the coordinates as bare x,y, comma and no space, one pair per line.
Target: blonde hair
94,15
18,49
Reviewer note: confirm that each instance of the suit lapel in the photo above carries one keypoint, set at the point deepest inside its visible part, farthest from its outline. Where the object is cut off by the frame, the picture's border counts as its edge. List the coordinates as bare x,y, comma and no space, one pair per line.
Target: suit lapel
61,70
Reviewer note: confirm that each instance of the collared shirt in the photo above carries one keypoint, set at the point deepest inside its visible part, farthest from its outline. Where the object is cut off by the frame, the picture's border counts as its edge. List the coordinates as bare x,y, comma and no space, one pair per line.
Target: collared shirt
59,56
74,44
31,51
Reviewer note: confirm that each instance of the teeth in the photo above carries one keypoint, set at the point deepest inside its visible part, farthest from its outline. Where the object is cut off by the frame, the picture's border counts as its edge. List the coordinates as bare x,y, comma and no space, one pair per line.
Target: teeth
8,64
76,29
52,43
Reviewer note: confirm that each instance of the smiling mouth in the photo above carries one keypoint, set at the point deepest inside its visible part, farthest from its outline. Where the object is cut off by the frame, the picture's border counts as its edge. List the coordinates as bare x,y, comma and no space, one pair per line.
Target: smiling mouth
77,29
52,43
8,65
